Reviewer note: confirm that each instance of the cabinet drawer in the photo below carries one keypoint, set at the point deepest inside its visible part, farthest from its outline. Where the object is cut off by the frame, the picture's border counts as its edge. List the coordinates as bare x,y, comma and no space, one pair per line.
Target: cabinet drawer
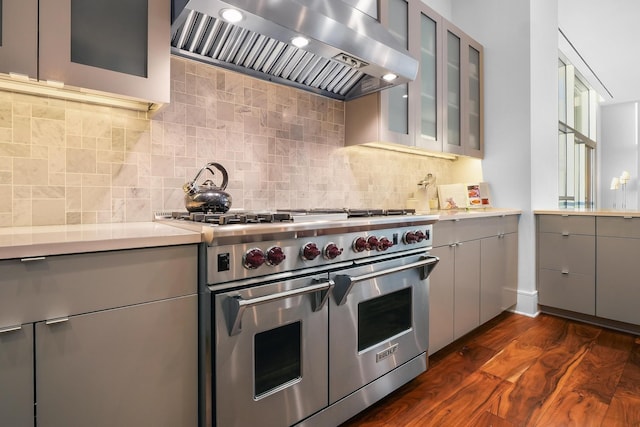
443,233
618,227
574,253
63,285
574,292
572,224
461,230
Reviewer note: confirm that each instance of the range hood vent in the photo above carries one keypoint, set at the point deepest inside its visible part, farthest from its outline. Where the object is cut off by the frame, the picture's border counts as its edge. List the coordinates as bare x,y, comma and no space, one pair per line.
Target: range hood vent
341,61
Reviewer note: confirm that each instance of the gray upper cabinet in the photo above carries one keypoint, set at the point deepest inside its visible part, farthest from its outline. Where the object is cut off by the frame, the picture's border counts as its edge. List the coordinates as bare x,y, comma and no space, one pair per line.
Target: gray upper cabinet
425,43
120,47
385,116
440,111
115,46
19,37
463,89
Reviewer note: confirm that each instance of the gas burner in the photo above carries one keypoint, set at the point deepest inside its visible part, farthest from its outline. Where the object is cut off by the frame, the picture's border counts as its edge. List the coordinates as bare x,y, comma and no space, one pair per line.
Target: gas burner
240,217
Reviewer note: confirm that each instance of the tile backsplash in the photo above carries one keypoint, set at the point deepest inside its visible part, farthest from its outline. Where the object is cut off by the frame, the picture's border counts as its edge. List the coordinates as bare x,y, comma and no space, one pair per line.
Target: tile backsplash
63,162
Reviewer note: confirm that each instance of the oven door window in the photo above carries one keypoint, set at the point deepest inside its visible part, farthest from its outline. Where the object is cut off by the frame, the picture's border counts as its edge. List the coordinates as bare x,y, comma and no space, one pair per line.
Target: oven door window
384,317
277,358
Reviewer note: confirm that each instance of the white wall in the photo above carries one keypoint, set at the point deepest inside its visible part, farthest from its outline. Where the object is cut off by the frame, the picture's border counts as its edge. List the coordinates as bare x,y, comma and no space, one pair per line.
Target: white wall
618,151
520,112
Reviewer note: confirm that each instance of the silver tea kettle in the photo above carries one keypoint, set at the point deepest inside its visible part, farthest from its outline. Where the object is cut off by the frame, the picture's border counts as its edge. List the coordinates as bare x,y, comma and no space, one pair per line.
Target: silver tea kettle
207,197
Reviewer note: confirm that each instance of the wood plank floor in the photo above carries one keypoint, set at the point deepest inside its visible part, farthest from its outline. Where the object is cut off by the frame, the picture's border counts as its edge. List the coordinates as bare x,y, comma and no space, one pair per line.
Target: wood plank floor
520,371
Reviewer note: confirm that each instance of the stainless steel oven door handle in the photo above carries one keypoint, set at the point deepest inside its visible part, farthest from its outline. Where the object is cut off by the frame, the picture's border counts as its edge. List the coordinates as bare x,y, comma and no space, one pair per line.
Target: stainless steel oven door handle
236,305
344,282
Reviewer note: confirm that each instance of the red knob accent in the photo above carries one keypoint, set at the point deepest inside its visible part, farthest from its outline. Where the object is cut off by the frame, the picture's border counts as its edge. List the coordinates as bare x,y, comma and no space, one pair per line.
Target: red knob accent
275,255
310,251
373,243
420,236
361,245
384,244
410,237
331,251
254,258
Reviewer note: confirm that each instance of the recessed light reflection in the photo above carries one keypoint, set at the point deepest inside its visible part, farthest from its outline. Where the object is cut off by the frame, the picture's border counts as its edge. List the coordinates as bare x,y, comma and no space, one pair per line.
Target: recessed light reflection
231,15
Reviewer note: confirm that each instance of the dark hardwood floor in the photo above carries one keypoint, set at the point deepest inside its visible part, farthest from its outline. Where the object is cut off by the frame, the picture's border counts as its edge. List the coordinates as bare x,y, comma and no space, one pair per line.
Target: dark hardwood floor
521,371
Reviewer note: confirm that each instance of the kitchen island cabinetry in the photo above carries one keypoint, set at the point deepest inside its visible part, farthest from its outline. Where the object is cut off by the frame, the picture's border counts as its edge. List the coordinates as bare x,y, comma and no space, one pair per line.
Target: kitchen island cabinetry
617,290
112,336
476,277
111,47
566,262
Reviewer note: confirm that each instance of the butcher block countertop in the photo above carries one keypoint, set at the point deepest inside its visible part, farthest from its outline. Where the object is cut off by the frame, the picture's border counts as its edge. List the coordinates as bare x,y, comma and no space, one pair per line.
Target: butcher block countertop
457,214
29,242
590,212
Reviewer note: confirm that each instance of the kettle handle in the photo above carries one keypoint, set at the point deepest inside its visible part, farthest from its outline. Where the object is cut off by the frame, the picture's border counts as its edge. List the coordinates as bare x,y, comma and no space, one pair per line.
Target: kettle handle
225,176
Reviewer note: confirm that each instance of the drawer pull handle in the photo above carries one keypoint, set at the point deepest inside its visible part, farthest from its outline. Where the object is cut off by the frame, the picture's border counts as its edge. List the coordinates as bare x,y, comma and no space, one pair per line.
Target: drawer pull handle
565,271
56,320
453,245
37,258
565,215
10,329
565,234
627,217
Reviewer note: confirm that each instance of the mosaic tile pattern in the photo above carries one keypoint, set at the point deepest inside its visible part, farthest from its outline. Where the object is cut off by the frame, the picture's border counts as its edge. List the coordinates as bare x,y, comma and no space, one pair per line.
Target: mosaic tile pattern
63,162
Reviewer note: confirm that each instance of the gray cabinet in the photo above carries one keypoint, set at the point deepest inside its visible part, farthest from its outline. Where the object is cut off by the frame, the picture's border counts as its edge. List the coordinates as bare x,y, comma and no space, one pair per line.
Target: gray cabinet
466,288
463,93
16,376
115,339
385,116
131,366
19,37
499,274
476,278
441,299
618,292
566,262
442,109
114,46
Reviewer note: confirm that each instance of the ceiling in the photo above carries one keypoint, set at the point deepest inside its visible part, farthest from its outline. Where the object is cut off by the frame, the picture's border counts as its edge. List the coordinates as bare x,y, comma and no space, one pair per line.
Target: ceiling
606,34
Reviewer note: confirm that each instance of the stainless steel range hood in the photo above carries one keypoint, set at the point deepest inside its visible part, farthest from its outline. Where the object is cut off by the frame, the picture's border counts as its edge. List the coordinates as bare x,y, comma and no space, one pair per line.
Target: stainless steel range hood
348,52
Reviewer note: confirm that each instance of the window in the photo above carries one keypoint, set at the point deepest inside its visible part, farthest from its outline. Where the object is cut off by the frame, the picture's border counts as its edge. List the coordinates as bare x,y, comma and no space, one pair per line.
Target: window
576,139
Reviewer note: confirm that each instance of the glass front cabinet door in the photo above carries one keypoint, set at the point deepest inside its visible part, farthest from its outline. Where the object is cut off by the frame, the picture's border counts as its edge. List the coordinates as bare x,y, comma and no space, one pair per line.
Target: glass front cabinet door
463,93
19,37
396,102
426,45
115,46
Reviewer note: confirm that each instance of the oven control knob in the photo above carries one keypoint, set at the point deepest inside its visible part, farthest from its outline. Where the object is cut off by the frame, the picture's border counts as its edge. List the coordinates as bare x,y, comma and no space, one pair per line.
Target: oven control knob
310,251
373,243
275,255
384,244
331,251
254,258
361,245
410,237
420,236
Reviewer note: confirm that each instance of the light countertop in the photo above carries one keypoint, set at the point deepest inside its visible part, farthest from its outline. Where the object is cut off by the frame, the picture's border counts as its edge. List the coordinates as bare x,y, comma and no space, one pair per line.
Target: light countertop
28,242
589,212
454,214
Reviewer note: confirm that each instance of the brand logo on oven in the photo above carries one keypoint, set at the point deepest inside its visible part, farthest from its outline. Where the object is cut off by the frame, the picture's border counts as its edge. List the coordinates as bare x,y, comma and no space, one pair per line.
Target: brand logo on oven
386,352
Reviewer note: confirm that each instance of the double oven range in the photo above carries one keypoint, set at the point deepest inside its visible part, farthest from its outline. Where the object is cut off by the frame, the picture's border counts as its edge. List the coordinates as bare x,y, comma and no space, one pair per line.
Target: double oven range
309,317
